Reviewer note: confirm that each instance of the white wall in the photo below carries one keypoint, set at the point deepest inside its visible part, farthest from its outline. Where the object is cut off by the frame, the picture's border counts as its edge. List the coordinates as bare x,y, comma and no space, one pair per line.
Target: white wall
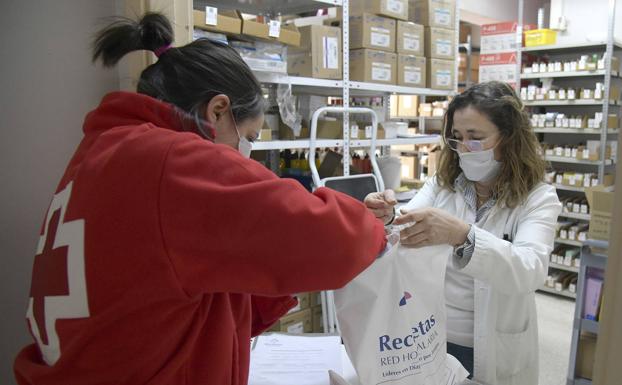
587,21
503,10
47,85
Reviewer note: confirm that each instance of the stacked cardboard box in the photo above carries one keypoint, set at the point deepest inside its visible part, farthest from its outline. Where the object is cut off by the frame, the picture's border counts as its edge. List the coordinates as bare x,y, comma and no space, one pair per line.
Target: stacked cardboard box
319,54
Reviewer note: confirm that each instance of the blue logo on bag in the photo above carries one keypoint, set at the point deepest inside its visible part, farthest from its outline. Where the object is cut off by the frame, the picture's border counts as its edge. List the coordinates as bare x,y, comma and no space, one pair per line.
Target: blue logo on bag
405,298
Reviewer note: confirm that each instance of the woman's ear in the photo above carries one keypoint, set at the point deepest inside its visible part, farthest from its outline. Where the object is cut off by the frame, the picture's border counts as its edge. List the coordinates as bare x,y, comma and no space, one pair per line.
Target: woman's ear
216,107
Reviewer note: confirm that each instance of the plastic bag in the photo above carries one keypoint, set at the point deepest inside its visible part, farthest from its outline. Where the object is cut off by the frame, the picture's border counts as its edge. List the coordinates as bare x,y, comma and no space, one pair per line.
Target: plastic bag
392,318
287,108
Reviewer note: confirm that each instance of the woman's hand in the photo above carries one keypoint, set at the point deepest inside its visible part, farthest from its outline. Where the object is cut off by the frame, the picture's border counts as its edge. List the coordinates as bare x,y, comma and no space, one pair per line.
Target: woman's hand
381,204
433,227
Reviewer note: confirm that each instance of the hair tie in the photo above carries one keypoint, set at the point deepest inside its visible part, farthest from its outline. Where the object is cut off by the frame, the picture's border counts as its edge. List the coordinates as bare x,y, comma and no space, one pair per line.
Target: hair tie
160,51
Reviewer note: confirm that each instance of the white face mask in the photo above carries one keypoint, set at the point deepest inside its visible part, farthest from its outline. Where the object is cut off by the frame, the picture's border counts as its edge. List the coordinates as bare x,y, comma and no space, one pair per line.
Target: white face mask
244,146
479,166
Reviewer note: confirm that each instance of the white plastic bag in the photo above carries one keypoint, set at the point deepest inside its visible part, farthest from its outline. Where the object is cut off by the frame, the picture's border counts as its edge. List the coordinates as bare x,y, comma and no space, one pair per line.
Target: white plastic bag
392,319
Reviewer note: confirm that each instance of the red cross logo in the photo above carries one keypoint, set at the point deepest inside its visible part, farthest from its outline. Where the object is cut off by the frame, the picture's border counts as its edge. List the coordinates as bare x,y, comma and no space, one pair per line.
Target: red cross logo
58,289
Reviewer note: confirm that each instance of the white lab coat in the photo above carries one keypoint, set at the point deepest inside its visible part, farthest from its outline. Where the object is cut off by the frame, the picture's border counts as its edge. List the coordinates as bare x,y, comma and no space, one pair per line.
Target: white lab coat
506,275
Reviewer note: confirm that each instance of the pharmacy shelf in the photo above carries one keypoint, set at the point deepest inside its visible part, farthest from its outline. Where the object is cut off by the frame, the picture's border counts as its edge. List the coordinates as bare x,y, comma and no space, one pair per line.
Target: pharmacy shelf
581,381
589,326
573,102
564,159
569,242
274,7
418,139
568,188
585,131
360,88
566,74
295,144
557,266
575,46
583,217
563,293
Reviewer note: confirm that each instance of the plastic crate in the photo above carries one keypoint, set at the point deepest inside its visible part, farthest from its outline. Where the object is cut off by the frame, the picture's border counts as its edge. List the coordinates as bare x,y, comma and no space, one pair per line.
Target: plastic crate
538,37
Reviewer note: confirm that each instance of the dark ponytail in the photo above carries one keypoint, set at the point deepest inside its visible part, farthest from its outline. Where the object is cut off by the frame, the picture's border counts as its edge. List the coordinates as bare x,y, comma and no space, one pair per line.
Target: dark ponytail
187,76
125,35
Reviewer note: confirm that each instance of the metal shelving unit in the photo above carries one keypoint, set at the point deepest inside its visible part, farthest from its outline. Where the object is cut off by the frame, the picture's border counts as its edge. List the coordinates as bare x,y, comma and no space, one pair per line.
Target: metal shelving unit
565,74
557,266
567,159
583,217
584,131
563,293
589,260
572,102
569,242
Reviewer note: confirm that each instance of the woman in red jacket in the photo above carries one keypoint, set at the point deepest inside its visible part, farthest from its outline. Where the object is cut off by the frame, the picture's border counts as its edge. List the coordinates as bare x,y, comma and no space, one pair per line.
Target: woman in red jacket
164,249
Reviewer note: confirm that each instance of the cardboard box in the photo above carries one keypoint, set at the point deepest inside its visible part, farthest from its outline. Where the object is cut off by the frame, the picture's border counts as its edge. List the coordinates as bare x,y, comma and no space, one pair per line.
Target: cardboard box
462,75
465,30
368,65
433,13
288,34
397,9
315,298
330,129
500,37
586,352
440,74
601,205
318,321
319,55
303,302
410,166
407,104
411,71
439,43
498,66
298,322
462,60
226,21
371,31
410,38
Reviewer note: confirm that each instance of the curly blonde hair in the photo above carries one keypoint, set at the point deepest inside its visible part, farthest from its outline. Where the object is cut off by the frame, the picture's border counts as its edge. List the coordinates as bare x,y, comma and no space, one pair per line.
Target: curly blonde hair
522,165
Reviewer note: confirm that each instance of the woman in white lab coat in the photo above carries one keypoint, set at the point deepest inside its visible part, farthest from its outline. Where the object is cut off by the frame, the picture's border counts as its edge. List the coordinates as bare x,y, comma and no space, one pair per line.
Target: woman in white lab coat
488,200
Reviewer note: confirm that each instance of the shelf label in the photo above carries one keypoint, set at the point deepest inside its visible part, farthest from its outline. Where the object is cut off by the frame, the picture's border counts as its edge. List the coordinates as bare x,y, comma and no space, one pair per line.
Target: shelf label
395,6
380,37
442,16
443,47
211,15
412,75
331,52
443,78
275,29
411,42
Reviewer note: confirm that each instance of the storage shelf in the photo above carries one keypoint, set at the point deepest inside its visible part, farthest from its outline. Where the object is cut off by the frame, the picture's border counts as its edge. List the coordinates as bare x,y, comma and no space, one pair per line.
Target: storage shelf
582,381
585,131
566,74
419,139
295,144
568,188
564,159
360,88
571,269
583,217
569,242
284,7
572,102
589,326
555,47
564,293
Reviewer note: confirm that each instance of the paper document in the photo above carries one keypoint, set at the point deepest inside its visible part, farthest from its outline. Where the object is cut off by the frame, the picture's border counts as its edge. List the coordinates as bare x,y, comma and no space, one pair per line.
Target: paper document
282,359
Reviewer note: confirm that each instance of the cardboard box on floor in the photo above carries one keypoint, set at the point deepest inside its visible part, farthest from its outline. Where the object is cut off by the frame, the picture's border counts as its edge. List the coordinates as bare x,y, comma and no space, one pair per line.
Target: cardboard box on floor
226,21
367,65
373,32
319,54
318,322
298,322
439,43
397,9
410,38
433,13
411,71
440,74
287,34
601,207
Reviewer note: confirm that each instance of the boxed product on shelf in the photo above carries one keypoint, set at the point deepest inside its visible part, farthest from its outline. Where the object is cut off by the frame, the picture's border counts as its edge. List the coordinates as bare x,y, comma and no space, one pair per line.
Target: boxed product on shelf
593,292
203,34
315,298
411,71
433,13
439,43
538,37
318,322
298,322
440,74
410,166
462,60
367,65
330,128
586,352
406,104
319,55
572,287
303,302
397,9
262,56
500,37
462,75
592,151
410,38
373,32
217,20
256,26
601,206
498,66
425,109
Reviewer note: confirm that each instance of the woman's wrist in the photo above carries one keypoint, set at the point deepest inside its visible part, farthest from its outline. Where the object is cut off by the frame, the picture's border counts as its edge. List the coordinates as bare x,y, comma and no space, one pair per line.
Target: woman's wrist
462,232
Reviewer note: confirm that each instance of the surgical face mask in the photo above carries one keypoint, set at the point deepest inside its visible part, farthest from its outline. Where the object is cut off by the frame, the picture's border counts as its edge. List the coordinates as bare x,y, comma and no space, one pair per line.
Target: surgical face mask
479,166
244,146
